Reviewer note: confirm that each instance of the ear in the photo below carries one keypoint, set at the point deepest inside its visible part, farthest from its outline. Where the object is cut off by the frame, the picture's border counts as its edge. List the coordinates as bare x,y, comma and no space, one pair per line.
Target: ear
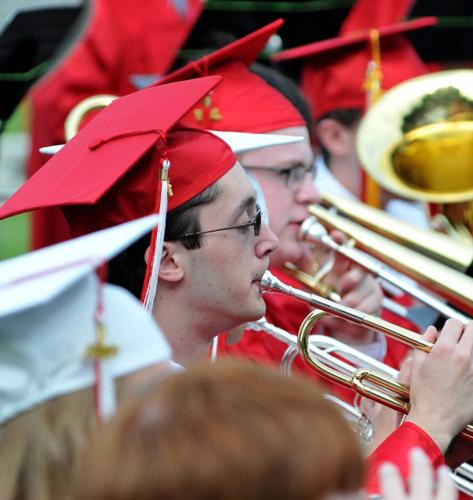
171,268
335,137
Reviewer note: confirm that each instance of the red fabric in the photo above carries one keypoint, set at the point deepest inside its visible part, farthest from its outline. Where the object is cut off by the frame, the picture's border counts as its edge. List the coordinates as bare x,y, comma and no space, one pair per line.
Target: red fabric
288,313
366,14
109,172
244,50
335,70
243,101
396,448
123,39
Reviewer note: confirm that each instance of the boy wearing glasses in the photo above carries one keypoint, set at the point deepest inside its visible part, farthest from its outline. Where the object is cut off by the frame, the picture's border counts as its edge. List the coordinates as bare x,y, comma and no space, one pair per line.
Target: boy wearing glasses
215,248
245,101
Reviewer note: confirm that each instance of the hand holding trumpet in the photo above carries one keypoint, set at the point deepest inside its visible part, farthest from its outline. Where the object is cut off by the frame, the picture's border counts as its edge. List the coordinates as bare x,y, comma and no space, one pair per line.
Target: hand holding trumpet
441,384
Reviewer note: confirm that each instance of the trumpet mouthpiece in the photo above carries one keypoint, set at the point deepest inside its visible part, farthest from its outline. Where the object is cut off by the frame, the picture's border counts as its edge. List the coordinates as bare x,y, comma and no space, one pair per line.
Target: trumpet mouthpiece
312,230
270,282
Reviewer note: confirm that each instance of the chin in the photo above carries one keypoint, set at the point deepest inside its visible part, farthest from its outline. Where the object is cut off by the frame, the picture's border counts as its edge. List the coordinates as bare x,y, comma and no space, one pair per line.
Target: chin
257,311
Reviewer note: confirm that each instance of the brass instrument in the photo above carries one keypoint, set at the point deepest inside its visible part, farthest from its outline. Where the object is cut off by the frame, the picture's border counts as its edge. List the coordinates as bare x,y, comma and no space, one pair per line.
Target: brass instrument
371,384
418,316
77,113
433,244
416,141
325,348
328,349
313,281
449,284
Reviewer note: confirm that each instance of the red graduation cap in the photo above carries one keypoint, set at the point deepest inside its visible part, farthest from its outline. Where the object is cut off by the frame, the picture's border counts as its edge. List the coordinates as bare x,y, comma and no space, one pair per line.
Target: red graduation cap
114,146
366,14
110,171
335,70
243,101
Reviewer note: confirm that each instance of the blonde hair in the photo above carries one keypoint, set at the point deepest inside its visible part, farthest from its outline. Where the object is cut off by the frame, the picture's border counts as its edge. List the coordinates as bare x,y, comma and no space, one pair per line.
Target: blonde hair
40,449
226,431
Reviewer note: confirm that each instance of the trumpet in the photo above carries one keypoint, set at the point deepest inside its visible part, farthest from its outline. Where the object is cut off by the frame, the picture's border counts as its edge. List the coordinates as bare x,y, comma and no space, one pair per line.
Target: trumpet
313,230
371,384
451,285
421,318
326,348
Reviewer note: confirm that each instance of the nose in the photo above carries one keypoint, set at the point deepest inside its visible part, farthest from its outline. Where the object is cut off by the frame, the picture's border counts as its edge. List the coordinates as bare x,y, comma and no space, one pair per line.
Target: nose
266,243
308,192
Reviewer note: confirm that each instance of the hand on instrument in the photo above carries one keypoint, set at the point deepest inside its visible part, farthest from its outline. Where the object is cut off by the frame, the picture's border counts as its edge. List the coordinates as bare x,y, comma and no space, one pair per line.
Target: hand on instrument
441,388
358,290
386,420
422,485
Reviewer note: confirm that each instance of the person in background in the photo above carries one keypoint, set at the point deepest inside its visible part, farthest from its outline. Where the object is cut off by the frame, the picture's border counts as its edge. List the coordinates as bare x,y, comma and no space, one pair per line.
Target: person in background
232,430
216,247
71,349
125,47
341,76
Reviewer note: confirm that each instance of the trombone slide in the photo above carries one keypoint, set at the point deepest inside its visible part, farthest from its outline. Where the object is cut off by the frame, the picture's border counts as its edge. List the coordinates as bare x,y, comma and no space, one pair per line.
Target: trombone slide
312,230
433,244
448,283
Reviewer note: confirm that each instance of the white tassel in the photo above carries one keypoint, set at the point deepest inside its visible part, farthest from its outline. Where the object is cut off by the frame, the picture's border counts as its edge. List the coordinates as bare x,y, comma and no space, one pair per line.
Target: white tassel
158,252
107,396
214,350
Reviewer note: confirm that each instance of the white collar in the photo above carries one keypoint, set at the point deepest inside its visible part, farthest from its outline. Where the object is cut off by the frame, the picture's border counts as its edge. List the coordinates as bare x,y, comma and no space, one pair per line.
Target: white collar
326,181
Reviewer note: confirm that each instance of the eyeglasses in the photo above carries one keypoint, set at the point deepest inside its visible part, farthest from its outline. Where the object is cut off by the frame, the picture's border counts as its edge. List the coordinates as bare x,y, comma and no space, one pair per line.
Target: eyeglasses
256,223
293,177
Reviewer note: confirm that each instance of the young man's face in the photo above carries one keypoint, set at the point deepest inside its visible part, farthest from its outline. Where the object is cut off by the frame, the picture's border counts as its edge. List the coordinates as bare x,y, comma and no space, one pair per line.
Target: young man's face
287,202
223,274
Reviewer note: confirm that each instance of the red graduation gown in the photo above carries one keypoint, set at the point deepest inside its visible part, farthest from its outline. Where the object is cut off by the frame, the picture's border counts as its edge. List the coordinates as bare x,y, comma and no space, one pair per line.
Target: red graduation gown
395,449
123,42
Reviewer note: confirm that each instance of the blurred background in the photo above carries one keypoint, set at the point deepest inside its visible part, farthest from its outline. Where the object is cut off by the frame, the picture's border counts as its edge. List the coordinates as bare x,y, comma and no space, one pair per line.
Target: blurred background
36,35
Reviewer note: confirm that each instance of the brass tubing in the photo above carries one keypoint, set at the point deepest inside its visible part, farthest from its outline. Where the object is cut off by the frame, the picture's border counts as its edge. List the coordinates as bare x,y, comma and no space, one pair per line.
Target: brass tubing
438,246
445,281
376,386
397,397
271,283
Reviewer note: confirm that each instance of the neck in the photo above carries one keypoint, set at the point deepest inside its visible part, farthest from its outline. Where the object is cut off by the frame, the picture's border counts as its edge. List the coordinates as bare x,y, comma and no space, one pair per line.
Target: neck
189,336
346,174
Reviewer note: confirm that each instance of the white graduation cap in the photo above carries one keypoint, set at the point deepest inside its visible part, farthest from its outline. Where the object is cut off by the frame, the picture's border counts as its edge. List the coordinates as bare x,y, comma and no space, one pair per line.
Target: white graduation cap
239,142
52,309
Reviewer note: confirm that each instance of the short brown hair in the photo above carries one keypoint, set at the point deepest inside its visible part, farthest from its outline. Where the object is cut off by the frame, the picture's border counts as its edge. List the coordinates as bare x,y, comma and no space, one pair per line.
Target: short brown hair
228,430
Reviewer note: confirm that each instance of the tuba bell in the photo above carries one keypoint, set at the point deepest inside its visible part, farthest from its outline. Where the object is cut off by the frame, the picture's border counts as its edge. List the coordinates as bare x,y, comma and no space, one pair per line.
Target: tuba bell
416,141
